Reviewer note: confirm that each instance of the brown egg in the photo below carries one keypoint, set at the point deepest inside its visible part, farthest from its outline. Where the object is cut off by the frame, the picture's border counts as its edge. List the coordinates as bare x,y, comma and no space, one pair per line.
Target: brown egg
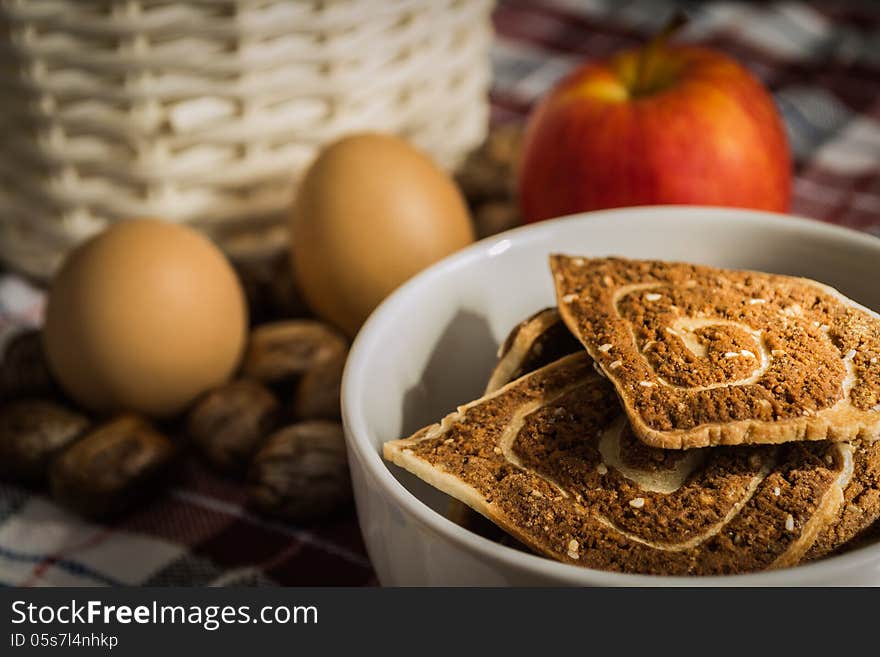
144,317
371,212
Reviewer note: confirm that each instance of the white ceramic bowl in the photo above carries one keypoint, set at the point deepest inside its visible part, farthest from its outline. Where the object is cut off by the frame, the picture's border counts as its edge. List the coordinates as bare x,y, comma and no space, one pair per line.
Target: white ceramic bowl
431,345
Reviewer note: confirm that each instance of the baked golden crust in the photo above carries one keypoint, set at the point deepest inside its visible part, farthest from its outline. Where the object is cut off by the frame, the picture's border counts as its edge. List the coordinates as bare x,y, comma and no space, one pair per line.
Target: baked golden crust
531,344
702,356
535,342
550,459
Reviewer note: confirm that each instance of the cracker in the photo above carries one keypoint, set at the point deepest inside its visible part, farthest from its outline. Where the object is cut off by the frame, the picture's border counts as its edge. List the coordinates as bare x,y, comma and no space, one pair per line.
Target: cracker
535,342
702,356
550,459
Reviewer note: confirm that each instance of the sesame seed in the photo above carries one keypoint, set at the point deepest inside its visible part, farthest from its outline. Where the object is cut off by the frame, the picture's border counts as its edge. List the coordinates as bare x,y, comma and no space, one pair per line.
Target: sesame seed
747,353
573,546
578,261
497,450
876,408
779,353
605,348
599,369
731,354
873,360
816,324
777,491
537,493
652,296
614,365
850,354
829,459
671,330
789,522
568,298
646,384
754,301
637,503
825,328
608,281
852,508
602,469
649,344
449,441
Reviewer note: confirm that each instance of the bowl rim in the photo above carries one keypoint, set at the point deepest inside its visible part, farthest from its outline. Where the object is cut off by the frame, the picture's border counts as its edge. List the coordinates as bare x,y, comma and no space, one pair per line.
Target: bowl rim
357,433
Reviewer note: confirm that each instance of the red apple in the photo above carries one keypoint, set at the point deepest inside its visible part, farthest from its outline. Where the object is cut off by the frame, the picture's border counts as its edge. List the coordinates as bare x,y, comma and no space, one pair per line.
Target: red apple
664,124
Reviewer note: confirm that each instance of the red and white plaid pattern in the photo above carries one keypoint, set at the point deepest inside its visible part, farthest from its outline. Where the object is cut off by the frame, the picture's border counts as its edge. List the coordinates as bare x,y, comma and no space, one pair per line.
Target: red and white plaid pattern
820,59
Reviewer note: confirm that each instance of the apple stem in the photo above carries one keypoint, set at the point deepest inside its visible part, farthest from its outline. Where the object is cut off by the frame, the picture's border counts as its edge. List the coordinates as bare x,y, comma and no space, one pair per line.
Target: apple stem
678,20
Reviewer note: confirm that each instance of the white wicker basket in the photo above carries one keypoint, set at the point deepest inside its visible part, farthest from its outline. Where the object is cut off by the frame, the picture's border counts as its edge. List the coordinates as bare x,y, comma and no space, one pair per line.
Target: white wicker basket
205,111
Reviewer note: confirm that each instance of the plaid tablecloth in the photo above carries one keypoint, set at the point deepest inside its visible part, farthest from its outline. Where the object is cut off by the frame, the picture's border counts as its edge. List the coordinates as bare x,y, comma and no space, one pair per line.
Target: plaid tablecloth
820,59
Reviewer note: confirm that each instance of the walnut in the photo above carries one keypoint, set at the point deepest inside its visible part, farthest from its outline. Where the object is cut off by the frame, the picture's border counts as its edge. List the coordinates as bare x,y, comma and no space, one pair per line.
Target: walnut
284,350
494,217
270,288
112,467
316,396
489,172
24,372
229,423
301,472
32,431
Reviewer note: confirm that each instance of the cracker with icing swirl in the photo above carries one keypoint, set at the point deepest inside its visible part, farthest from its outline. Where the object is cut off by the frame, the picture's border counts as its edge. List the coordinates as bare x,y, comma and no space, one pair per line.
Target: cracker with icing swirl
550,459
703,356
536,341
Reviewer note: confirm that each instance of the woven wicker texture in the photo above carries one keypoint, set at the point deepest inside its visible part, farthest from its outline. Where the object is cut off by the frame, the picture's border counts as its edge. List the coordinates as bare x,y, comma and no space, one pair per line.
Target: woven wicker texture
205,112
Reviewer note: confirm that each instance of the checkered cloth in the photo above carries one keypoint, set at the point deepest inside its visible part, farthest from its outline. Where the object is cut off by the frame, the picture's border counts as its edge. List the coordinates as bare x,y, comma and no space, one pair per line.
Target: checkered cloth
820,59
